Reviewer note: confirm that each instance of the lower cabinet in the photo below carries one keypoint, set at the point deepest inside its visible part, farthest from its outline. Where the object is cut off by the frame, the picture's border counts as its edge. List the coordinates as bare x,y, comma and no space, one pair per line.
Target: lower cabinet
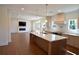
50,47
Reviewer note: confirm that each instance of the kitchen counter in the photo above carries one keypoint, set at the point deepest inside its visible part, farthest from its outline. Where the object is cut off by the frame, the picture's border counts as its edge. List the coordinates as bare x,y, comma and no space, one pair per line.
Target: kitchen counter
62,33
73,39
73,34
50,43
48,37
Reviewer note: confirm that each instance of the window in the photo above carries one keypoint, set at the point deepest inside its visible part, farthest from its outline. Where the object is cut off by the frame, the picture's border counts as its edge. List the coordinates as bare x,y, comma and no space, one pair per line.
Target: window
72,24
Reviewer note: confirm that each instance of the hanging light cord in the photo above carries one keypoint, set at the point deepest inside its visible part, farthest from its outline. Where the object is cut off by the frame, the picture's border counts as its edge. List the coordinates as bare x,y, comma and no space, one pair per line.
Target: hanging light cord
46,9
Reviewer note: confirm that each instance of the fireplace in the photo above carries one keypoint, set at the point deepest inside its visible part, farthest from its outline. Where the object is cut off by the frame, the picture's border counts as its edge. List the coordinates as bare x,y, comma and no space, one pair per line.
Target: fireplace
22,26
21,23
22,29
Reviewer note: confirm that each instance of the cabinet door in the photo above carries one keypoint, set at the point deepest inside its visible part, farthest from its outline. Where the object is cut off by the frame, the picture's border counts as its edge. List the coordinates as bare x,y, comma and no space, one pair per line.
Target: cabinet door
32,38
58,47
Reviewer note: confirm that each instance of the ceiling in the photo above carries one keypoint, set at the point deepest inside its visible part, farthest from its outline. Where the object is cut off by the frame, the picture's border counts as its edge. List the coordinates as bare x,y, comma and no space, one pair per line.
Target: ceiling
39,9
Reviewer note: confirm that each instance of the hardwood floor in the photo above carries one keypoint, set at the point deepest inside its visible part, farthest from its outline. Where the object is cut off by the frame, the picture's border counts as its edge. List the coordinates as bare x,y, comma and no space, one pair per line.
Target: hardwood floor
20,45
73,49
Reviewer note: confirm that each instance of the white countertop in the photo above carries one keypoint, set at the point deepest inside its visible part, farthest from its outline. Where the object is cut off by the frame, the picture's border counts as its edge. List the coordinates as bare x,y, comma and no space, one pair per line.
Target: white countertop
73,34
49,37
67,32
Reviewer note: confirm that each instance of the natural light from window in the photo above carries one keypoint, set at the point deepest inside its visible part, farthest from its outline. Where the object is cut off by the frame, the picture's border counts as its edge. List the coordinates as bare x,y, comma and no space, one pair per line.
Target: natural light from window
72,25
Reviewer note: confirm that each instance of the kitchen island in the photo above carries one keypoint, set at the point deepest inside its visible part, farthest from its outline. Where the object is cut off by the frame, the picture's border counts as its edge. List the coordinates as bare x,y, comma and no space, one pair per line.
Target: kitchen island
50,43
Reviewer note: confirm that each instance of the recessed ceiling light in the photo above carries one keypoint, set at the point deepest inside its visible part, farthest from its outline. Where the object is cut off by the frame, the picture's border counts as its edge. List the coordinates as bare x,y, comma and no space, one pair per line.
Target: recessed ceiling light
22,9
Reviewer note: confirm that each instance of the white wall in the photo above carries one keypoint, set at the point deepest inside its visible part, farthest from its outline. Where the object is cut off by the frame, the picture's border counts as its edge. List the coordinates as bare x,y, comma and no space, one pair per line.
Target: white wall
4,27
71,15
13,25
14,28
28,26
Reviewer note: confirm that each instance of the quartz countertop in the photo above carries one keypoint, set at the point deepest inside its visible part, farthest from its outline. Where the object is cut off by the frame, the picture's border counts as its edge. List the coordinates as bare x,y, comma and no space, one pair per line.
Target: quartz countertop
49,37
67,32
73,34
